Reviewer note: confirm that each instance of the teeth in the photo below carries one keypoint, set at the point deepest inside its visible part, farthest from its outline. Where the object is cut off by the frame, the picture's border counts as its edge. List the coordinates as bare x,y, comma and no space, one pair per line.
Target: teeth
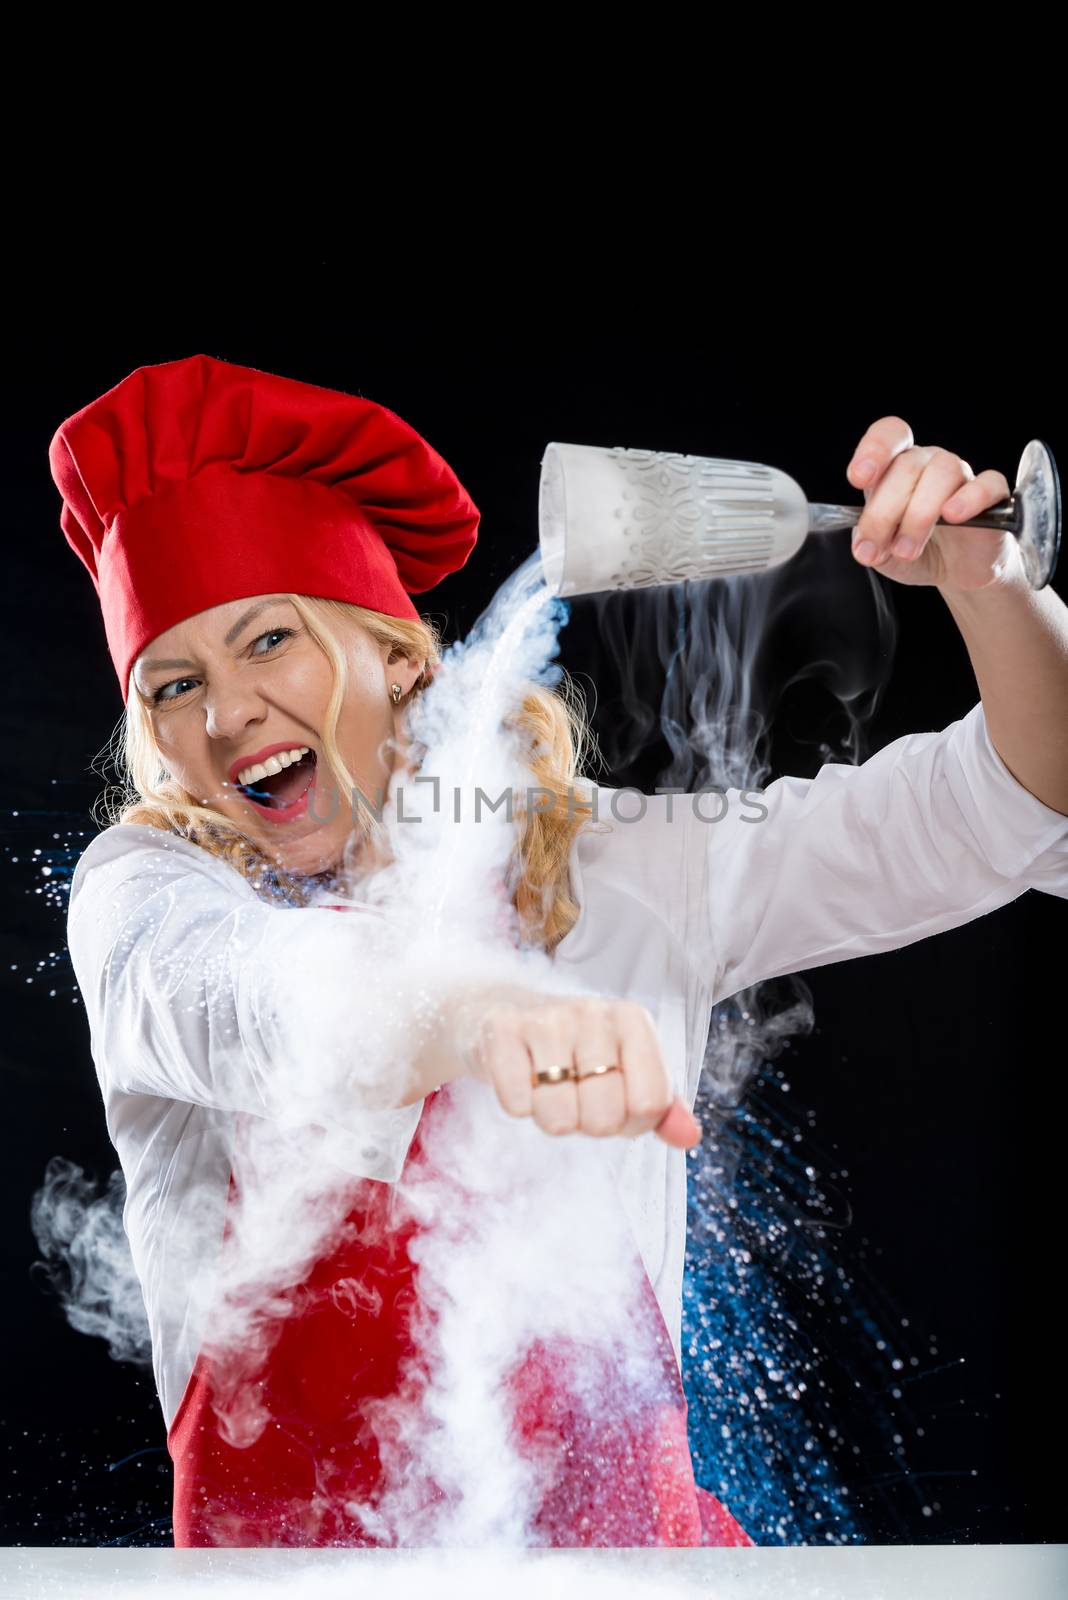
275,763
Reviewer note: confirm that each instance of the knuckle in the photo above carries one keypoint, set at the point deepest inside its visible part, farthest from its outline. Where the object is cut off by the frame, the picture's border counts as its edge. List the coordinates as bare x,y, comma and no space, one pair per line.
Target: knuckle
545,1021
502,1022
635,1012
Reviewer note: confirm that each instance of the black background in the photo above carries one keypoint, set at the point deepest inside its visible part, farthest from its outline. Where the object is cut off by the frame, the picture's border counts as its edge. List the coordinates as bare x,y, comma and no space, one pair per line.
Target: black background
935,1071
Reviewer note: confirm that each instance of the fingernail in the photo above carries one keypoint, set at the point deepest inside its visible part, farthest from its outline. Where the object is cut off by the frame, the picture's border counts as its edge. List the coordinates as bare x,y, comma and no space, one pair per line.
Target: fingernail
864,550
864,470
902,546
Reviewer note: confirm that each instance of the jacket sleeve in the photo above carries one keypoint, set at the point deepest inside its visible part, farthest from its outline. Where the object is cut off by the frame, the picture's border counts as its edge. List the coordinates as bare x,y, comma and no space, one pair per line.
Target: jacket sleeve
199,991
929,833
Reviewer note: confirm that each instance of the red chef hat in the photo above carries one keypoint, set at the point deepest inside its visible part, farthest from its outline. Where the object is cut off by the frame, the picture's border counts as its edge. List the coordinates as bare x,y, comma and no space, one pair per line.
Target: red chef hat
195,482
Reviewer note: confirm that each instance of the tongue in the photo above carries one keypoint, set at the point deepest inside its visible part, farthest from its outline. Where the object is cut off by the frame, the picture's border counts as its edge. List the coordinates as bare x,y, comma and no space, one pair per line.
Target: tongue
284,787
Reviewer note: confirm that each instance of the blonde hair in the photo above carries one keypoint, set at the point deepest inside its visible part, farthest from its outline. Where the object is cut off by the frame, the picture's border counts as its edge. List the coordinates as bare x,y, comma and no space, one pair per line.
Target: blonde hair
554,737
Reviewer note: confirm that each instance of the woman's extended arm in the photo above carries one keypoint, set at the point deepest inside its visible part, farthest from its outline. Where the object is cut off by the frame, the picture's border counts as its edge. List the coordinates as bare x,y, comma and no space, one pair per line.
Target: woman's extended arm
929,833
197,990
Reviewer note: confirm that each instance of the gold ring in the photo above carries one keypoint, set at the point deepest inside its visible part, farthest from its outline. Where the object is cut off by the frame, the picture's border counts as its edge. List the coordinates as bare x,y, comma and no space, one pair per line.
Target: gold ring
595,1072
545,1075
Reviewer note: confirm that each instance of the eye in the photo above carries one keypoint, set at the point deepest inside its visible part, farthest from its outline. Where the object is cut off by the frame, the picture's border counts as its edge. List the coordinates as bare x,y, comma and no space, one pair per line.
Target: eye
282,632
161,696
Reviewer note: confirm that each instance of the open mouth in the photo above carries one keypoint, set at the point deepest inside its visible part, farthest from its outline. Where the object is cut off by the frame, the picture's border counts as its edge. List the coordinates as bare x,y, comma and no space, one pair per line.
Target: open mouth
280,789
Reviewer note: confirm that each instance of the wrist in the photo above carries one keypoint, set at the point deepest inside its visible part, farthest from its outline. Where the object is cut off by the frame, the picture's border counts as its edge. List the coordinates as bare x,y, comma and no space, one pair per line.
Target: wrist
1009,582
465,1016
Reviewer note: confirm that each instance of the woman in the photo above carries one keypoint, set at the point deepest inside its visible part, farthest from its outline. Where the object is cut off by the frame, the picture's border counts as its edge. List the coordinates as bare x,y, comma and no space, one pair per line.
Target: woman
254,543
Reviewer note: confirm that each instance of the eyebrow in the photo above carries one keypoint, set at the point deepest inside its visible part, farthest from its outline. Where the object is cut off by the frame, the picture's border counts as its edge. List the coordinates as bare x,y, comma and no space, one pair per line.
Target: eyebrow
239,626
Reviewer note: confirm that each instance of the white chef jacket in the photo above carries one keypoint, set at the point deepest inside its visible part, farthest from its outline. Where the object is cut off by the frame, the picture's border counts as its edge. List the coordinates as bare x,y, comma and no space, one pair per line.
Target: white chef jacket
677,910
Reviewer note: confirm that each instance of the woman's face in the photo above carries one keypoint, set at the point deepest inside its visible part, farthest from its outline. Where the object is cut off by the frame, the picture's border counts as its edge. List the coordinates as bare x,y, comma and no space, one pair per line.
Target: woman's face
245,677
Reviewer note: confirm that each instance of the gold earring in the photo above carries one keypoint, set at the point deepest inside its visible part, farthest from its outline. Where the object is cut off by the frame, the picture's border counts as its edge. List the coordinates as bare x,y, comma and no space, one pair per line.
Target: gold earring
396,691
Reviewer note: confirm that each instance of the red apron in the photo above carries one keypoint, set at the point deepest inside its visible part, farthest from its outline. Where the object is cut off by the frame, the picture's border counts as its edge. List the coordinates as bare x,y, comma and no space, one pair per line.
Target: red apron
619,1479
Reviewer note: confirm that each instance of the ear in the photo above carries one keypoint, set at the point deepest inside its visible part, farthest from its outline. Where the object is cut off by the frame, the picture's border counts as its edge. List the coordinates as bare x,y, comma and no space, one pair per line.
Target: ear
405,669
